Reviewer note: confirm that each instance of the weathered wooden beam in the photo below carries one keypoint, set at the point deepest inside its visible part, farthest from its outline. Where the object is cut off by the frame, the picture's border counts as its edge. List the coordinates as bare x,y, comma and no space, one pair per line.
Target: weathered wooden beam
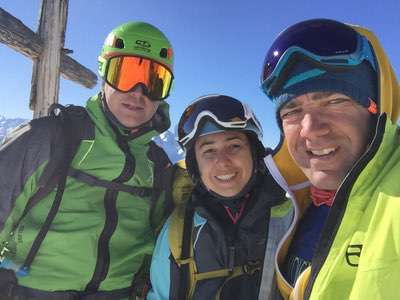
72,70
46,68
16,35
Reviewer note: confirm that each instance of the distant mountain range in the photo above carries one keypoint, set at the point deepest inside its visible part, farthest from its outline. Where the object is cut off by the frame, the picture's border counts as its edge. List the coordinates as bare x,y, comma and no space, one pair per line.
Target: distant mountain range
7,124
166,140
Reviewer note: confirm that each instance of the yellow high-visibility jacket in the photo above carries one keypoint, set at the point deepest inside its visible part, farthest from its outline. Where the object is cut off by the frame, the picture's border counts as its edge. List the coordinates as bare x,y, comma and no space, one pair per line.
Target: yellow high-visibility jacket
358,256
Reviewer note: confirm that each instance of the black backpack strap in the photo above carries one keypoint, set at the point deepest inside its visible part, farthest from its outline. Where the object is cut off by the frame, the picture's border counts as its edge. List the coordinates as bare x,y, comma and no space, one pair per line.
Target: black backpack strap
162,174
80,123
70,125
141,280
162,167
112,185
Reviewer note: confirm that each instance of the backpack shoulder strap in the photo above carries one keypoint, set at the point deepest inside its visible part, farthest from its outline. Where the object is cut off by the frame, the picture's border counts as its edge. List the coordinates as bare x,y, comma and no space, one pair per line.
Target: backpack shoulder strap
70,117
57,170
181,183
68,124
160,159
180,244
161,182
161,174
175,233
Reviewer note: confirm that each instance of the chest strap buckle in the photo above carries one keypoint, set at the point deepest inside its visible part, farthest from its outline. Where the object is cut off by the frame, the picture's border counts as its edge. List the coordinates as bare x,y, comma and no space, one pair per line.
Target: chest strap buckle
251,267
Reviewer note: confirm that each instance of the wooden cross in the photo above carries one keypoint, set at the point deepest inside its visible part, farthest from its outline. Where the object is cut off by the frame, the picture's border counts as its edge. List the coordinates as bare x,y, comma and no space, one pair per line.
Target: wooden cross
46,49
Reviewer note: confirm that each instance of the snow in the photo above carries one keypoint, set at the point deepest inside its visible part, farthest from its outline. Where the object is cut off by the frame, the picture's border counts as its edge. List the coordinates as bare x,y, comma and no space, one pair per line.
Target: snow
167,141
6,125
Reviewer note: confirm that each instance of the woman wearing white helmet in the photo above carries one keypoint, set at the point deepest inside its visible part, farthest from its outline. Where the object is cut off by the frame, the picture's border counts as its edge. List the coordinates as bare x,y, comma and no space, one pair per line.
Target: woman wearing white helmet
214,246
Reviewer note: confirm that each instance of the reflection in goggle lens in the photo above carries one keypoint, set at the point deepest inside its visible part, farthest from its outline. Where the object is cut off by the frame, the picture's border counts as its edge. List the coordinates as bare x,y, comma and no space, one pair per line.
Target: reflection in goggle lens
125,72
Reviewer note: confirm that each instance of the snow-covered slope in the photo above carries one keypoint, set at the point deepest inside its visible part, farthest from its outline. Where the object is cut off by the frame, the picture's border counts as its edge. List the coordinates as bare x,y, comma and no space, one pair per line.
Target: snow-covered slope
7,124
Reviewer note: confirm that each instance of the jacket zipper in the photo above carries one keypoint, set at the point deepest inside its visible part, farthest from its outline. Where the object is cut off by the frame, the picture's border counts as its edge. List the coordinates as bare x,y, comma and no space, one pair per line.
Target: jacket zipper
110,200
336,214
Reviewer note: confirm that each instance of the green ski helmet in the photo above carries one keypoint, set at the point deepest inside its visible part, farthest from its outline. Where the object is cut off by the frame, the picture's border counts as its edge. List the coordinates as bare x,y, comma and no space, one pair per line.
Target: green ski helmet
136,38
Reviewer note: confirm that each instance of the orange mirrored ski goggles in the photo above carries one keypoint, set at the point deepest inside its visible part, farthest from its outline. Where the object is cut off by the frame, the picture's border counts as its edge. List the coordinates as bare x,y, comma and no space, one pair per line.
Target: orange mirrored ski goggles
123,73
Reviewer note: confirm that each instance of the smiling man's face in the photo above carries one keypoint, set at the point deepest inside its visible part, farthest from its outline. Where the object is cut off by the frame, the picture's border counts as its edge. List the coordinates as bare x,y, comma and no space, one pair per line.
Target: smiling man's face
326,134
133,108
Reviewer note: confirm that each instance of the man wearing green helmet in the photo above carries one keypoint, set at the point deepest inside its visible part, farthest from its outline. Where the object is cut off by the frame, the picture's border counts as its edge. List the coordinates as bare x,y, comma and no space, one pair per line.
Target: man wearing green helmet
79,214
145,49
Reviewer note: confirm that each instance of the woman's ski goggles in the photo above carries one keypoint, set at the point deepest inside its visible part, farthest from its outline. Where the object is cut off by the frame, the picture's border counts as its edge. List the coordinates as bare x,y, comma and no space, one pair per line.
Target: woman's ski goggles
324,42
123,73
223,110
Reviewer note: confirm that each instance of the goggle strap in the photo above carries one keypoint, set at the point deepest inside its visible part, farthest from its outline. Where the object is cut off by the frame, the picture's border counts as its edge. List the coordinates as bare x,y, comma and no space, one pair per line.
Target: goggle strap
272,84
335,62
207,113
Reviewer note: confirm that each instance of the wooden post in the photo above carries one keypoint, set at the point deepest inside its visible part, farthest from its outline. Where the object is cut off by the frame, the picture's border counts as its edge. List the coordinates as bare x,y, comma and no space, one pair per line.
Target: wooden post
46,68
19,37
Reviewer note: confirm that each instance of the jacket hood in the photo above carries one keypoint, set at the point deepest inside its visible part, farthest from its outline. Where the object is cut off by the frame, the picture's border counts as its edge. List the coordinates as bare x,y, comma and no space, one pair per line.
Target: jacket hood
389,103
388,88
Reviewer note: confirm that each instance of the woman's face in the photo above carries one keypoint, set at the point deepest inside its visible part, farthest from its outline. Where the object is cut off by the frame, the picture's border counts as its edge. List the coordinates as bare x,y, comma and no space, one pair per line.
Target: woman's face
225,162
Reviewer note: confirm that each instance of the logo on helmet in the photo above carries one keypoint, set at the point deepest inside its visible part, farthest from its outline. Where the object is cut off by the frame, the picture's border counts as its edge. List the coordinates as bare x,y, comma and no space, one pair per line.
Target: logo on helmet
142,45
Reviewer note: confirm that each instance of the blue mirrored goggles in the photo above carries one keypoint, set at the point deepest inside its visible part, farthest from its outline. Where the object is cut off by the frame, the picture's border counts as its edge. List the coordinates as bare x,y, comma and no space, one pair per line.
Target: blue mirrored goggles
326,43
225,111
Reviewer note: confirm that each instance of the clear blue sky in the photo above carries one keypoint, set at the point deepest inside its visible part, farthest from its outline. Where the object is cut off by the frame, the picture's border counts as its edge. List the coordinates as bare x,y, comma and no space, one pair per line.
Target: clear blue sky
219,45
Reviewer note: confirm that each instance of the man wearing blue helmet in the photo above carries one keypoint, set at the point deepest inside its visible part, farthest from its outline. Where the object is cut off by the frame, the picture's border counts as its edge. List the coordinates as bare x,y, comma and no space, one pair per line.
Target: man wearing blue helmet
214,247
337,103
